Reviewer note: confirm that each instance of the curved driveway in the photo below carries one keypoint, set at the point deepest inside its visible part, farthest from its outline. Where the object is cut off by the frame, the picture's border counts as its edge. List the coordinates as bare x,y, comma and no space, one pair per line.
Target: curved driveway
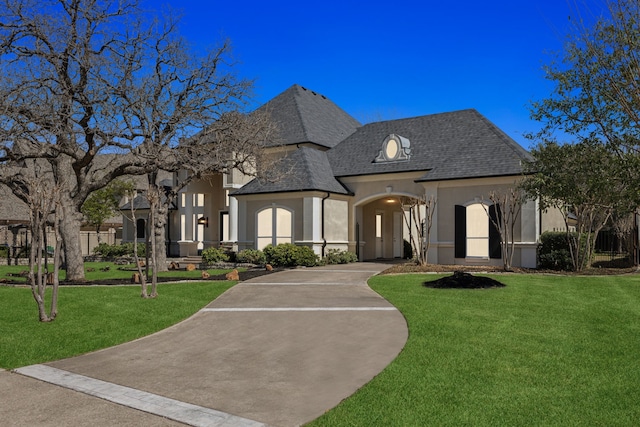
280,350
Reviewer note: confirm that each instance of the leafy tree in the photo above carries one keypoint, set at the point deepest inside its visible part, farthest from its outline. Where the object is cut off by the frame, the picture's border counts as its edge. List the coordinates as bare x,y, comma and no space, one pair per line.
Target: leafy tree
597,93
104,203
584,182
98,89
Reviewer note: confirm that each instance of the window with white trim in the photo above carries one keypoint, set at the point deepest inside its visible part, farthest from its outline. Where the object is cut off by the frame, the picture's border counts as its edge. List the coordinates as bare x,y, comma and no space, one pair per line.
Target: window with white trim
274,226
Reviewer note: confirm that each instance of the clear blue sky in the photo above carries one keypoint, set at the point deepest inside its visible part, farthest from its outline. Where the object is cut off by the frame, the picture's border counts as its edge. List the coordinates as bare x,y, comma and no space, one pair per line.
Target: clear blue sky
383,60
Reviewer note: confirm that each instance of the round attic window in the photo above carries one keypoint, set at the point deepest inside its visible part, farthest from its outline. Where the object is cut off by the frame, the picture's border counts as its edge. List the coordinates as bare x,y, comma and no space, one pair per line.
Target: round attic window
392,149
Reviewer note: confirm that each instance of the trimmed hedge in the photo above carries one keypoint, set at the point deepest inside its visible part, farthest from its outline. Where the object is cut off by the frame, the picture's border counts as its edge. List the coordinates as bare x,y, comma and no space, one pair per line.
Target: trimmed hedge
553,251
251,256
123,249
290,255
213,255
337,256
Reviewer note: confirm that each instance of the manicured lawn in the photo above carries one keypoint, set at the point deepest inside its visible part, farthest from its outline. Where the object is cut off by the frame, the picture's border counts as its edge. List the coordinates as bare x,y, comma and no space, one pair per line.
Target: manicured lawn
93,272
545,350
92,317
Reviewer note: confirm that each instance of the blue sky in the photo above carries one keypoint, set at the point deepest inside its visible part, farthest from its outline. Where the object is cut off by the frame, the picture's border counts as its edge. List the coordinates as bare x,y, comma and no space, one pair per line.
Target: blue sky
382,60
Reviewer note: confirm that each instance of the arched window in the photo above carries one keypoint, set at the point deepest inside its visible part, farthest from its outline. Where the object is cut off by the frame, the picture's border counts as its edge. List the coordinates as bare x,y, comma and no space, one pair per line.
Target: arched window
274,226
475,234
141,226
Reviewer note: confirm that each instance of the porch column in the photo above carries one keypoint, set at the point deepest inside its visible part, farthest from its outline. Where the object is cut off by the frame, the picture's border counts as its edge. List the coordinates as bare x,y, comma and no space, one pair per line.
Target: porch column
312,225
233,219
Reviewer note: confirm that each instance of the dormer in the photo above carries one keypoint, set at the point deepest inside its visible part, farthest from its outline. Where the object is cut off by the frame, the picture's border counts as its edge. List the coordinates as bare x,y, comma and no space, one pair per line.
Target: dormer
395,148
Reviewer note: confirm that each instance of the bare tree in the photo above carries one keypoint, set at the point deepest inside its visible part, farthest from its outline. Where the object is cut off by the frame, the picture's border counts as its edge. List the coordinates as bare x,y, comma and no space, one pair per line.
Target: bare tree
43,199
100,91
413,209
142,276
507,207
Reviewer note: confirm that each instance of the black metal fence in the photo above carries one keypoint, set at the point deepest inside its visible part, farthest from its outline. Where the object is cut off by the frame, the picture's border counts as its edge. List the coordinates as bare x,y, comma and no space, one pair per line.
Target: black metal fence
621,248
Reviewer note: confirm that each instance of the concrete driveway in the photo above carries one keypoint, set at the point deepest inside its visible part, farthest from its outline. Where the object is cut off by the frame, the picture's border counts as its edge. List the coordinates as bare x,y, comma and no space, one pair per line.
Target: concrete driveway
277,350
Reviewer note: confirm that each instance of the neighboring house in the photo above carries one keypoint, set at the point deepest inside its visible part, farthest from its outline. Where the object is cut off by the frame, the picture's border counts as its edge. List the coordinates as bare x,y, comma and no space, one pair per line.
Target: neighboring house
341,184
14,221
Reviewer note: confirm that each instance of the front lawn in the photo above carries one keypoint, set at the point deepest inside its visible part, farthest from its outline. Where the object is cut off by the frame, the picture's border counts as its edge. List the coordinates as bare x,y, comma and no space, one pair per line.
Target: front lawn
544,350
107,271
92,317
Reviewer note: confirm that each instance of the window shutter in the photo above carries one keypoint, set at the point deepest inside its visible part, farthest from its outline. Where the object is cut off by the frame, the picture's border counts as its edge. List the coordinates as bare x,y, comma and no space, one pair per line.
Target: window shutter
495,250
460,250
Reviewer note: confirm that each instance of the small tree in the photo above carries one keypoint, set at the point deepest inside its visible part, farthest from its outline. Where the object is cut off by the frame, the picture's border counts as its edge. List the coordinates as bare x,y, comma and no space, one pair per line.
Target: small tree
131,194
104,203
508,206
413,209
43,200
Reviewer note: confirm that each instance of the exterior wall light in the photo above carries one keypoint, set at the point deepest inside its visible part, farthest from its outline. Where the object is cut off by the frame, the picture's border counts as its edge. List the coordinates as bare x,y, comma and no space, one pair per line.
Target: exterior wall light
203,220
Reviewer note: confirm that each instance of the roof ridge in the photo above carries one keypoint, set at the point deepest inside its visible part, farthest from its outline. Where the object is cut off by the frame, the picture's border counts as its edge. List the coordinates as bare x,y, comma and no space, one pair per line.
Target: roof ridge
305,131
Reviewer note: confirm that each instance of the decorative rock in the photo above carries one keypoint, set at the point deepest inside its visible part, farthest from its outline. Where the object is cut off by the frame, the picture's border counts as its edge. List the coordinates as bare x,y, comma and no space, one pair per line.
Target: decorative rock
268,267
205,274
233,275
191,267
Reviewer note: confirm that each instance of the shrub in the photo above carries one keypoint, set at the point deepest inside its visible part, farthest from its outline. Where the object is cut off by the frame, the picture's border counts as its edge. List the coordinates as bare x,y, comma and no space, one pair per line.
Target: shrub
213,255
407,249
290,255
251,256
123,249
553,251
337,256
4,251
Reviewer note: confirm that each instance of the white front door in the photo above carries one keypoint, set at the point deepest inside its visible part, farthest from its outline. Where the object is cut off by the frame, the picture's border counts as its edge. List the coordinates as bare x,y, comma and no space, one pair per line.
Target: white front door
397,235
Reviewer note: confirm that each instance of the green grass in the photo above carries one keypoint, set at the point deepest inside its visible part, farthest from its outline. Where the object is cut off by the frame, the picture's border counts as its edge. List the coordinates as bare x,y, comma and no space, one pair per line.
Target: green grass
543,351
114,272
92,317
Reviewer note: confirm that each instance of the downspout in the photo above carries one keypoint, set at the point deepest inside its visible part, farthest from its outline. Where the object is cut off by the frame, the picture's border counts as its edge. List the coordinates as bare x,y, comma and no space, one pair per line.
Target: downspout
324,240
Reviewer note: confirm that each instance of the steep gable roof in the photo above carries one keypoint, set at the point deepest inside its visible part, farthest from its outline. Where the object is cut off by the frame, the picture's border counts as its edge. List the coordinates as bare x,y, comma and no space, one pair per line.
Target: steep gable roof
460,144
306,169
304,116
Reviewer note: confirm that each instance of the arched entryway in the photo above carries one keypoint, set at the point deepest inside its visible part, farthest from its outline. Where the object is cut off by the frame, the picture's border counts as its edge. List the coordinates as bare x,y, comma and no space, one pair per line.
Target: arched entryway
381,227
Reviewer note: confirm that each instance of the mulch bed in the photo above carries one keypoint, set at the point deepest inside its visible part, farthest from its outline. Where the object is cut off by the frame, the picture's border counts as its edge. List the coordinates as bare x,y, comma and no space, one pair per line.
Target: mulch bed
411,267
461,280
244,275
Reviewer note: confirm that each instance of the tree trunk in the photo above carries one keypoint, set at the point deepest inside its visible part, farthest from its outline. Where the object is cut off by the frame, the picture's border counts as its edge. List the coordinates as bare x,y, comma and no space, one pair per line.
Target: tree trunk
70,222
161,248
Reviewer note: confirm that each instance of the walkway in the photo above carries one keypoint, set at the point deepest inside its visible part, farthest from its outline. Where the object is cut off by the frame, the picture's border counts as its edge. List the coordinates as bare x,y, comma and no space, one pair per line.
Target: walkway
278,350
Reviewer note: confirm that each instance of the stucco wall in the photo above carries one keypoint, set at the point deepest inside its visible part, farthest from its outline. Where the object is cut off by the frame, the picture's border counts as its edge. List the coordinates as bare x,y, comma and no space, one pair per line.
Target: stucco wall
336,221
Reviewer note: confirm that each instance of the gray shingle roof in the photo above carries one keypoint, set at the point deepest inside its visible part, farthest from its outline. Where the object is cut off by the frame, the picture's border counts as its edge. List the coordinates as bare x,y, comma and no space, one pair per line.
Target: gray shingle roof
460,144
304,116
307,169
